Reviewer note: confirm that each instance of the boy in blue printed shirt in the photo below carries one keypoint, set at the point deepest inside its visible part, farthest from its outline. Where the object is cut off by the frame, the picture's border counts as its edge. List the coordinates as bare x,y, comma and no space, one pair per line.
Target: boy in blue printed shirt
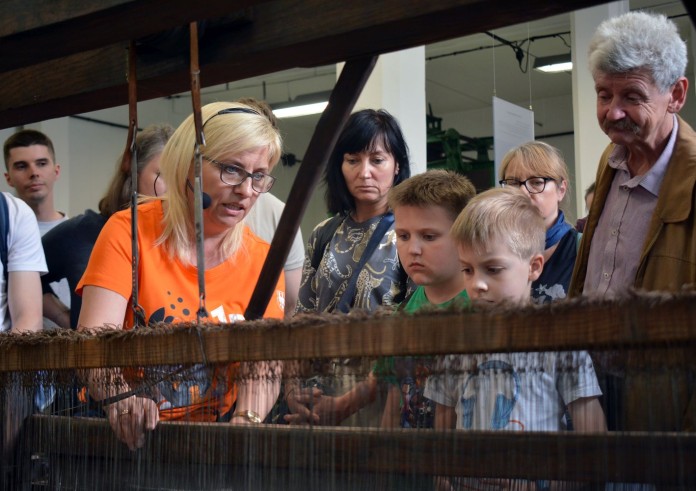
500,237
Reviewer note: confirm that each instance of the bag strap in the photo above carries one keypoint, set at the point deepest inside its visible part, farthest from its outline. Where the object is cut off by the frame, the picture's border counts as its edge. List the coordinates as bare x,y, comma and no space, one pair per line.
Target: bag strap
4,234
324,236
387,220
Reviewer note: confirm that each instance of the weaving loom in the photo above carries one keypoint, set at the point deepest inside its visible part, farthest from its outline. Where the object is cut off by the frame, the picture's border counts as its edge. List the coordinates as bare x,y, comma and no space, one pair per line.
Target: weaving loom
70,452
67,447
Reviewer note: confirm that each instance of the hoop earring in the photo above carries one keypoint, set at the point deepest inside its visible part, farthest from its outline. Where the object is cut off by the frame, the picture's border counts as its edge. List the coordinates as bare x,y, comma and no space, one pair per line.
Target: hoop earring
154,184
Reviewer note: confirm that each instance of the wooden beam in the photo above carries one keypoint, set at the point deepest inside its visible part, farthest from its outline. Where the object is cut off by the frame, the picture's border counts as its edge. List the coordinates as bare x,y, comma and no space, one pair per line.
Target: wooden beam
284,34
661,458
35,31
344,96
642,322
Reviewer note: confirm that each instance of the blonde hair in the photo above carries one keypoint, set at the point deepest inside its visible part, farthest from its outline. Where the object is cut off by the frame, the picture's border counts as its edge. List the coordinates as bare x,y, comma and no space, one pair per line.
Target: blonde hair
541,159
501,214
447,189
225,132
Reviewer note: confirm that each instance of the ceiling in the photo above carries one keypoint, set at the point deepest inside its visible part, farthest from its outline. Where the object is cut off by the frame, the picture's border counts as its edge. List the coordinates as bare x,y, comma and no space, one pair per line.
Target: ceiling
486,70
462,74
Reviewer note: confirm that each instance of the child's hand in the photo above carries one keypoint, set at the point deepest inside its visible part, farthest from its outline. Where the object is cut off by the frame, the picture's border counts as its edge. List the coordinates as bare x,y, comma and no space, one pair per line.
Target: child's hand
303,404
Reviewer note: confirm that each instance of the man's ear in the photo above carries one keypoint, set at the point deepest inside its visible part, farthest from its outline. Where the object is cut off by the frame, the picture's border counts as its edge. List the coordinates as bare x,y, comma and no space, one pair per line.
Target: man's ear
9,181
536,265
678,95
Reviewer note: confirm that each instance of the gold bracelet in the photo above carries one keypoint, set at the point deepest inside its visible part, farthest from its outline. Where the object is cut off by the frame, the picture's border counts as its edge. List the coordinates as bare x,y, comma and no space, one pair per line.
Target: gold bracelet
247,414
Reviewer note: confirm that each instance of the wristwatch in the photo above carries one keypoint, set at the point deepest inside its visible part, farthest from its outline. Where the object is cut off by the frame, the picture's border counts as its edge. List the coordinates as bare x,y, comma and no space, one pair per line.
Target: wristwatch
247,414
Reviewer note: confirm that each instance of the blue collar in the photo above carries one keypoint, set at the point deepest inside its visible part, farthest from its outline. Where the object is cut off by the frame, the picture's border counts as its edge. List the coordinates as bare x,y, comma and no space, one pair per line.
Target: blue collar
557,230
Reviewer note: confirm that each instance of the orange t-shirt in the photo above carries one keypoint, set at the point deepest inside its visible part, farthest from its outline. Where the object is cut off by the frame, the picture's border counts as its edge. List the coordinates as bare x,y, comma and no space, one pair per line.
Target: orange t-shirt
168,292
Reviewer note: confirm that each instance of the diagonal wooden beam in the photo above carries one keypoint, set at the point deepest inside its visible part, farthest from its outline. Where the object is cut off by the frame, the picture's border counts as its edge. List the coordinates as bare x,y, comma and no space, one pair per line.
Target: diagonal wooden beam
348,88
284,34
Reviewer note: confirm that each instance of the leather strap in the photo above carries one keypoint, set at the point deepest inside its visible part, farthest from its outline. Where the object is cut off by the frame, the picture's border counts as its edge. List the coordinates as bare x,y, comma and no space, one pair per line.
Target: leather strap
129,163
198,170
346,299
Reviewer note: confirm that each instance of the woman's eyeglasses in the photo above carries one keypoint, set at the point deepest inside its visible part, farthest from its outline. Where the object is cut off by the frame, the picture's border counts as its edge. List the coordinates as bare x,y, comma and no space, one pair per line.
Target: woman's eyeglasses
534,185
234,175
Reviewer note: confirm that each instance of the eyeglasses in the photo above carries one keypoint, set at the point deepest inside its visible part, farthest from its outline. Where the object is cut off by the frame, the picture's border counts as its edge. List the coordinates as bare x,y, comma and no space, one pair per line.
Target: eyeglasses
234,175
534,185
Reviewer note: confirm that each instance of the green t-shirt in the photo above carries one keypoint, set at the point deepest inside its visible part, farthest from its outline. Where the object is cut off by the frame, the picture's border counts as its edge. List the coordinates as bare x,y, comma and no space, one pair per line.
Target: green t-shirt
409,372
419,301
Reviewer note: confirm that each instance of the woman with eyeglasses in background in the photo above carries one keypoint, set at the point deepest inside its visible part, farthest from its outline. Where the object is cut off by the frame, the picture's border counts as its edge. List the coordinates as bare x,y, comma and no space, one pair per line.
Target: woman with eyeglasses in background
69,244
241,148
539,170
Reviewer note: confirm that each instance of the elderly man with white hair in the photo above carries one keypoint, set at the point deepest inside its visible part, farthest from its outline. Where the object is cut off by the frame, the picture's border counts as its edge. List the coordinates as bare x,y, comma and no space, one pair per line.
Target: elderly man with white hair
641,230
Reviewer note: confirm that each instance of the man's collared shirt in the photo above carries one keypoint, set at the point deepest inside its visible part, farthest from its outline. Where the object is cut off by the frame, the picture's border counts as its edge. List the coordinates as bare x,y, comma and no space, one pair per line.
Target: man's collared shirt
623,225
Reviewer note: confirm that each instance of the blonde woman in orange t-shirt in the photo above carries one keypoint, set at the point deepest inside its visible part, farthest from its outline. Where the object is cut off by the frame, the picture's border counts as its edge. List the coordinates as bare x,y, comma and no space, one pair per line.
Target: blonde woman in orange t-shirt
241,149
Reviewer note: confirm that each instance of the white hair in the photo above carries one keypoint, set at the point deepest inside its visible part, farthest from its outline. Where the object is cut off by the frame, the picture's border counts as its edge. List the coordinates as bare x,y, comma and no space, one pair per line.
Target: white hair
637,40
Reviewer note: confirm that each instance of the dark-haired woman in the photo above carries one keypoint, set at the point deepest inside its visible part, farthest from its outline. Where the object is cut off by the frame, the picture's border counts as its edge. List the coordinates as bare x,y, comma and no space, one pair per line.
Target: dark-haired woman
351,260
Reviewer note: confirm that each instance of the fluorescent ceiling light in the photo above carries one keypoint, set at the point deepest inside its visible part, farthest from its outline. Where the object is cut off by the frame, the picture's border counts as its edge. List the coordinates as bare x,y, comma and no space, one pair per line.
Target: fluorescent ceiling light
303,110
302,105
553,64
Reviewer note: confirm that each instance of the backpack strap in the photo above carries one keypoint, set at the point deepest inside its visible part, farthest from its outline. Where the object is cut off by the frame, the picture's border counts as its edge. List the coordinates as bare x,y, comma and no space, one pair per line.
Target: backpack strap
4,234
324,236
387,221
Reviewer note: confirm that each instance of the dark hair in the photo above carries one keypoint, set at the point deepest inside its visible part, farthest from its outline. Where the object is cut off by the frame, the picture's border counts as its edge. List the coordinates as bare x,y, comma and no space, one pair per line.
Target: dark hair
149,143
27,138
590,189
362,132
262,107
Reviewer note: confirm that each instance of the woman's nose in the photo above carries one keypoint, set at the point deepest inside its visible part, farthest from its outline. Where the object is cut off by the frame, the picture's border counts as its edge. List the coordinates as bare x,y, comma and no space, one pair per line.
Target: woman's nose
244,188
365,170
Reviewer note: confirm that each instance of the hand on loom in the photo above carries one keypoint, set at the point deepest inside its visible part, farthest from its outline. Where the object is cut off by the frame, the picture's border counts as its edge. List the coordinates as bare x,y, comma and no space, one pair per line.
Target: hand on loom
131,417
305,405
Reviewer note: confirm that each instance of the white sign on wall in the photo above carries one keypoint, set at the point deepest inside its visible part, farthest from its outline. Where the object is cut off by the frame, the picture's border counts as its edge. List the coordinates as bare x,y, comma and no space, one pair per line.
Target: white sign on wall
512,126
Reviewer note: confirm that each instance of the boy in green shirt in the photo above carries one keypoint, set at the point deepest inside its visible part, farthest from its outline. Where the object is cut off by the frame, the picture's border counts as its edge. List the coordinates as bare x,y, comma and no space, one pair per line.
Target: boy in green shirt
425,207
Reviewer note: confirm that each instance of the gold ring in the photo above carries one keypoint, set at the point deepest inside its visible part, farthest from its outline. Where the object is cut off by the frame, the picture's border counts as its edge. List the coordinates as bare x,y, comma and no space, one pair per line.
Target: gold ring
123,412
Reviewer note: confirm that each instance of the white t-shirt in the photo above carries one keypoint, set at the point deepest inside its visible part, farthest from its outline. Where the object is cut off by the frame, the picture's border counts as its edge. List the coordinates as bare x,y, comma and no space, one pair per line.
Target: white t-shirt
512,391
263,220
24,251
